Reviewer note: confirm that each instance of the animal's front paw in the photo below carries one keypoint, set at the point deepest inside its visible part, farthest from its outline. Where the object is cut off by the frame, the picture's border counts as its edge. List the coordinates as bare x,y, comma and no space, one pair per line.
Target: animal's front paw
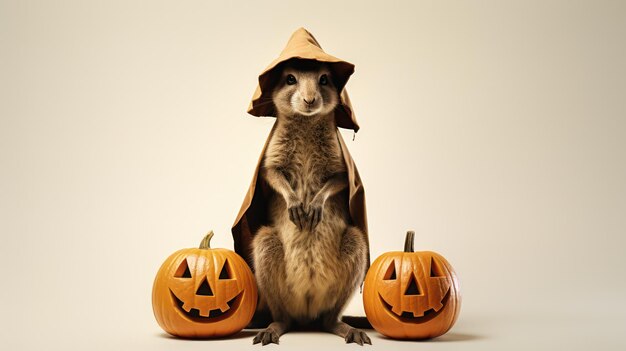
314,213
357,336
266,336
297,214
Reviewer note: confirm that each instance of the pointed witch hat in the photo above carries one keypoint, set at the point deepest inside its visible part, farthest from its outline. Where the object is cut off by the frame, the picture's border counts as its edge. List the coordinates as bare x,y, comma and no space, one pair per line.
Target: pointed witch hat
302,45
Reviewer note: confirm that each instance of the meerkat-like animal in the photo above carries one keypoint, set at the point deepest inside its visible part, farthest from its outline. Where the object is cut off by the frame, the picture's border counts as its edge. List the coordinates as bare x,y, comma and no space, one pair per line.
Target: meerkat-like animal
309,259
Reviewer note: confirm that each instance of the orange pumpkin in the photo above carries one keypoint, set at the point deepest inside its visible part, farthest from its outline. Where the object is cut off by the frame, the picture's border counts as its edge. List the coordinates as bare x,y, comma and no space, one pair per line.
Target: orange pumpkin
204,292
411,295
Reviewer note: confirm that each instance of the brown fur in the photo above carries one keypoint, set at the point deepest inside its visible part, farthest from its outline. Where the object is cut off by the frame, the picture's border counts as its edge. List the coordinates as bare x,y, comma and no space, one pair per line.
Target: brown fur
309,260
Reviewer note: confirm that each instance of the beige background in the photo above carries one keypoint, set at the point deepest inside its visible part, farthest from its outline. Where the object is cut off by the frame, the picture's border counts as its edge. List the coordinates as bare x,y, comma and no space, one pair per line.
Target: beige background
496,130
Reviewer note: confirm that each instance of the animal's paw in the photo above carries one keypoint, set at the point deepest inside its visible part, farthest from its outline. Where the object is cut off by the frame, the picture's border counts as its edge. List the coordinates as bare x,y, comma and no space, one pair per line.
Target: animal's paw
297,214
315,215
357,336
315,211
266,336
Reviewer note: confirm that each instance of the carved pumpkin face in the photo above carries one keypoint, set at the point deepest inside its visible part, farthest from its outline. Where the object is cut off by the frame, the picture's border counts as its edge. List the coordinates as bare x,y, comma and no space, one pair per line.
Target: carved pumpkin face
204,292
411,295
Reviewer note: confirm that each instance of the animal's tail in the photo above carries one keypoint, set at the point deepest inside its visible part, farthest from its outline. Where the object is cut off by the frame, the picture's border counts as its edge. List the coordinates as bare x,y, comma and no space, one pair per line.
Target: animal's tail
360,322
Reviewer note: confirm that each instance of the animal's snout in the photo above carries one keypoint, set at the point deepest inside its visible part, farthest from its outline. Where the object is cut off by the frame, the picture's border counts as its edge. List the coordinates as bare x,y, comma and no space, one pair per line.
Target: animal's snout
312,100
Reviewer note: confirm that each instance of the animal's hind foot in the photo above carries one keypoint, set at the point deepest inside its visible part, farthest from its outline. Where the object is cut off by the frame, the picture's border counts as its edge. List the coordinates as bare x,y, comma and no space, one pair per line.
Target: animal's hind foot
357,336
350,334
271,334
267,336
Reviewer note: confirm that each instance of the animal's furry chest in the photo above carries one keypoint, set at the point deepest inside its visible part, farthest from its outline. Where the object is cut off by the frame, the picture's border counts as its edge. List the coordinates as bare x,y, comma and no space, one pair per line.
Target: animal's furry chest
307,158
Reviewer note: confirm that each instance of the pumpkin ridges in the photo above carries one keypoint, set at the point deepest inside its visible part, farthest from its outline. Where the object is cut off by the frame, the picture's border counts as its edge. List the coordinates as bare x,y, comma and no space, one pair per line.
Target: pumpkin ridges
206,263
161,272
452,301
441,287
404,281
404,257
433,293
426,290
457,294
162,319
212,275
379,267
253,293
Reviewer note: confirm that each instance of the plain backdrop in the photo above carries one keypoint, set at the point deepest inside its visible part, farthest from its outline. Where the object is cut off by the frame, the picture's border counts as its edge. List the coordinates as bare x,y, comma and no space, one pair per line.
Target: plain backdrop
496,130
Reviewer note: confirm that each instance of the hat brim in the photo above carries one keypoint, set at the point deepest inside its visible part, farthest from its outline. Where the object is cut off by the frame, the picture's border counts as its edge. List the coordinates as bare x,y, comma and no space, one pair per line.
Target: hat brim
341,72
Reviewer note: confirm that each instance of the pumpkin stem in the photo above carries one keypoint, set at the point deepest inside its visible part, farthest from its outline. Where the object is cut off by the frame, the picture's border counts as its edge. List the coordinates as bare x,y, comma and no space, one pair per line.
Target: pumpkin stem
408,242
206,242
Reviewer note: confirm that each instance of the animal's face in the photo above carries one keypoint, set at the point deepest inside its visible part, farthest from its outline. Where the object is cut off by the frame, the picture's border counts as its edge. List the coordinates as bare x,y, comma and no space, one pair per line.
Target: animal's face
306,89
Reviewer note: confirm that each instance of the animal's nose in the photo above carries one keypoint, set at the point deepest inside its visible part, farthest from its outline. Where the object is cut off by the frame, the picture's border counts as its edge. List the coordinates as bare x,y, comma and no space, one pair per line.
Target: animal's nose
309,102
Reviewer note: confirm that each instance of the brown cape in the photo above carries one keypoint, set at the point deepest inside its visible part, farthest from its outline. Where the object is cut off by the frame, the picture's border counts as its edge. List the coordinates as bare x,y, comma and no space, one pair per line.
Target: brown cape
253,213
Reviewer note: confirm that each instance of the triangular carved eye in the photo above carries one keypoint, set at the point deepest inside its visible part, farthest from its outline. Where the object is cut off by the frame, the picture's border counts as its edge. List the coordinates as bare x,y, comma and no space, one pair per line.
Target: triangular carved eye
225,273
183,270
435,270
391,272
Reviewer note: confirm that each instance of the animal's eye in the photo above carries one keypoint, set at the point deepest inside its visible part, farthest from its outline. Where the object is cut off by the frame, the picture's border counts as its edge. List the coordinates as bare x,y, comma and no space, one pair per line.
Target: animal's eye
291,80
323,79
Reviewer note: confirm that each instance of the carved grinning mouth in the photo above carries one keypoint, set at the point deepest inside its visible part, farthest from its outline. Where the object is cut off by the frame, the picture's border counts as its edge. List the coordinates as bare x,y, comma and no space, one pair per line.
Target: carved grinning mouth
215,315
407,317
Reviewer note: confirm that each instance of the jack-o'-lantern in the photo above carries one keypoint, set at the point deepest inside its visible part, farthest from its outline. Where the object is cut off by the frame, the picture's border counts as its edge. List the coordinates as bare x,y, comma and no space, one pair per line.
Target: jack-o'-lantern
204,292
411,295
